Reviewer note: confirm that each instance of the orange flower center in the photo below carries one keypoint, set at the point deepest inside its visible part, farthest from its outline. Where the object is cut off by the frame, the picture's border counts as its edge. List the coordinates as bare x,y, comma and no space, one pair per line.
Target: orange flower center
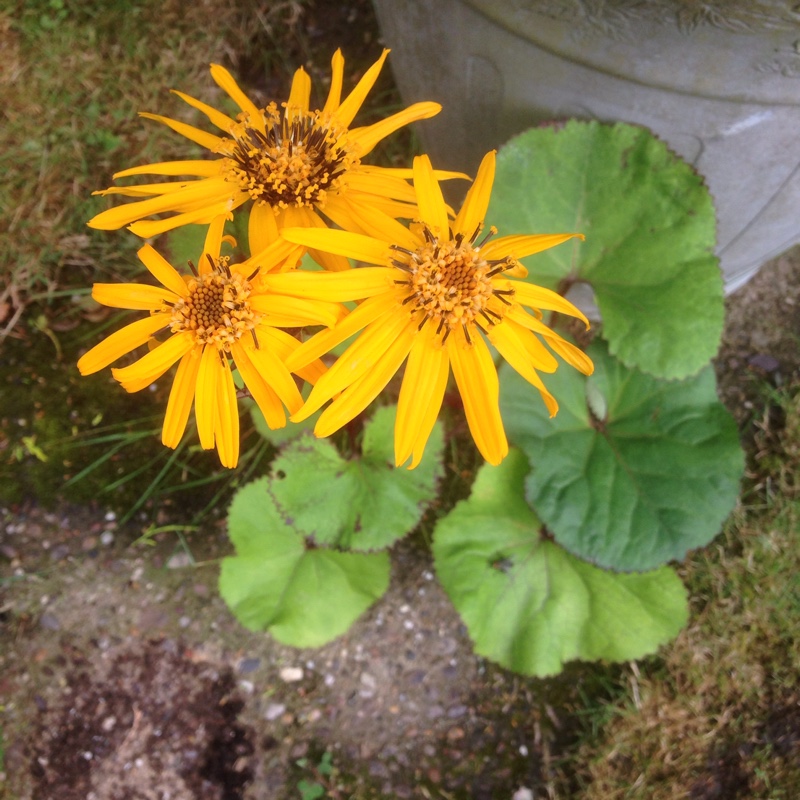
216,310
295,163
452,284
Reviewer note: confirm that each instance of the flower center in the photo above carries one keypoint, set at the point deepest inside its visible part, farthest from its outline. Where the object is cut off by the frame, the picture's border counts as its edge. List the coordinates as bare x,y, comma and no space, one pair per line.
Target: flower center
295,163
216,310
451,283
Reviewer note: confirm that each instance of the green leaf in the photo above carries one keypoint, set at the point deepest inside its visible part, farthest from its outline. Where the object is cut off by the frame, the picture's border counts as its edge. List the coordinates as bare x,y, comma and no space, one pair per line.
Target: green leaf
527,603
280,436
185,244
653,477
304,596
650,235
364,503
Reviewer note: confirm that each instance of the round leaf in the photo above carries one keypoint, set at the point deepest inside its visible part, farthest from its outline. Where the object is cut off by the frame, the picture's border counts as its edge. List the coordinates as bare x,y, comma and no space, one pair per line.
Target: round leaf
304,596
650,235
652,478
527,603
364,503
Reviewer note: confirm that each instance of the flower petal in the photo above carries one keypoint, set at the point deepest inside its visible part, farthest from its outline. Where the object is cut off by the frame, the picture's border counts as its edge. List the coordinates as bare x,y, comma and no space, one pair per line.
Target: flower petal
205,395
283,311
207,140
473,210
222,121
350,106
258,386
154,364
352,245
133,296
421,394
147,229
213,242
194,196
363,391
358,214
284,345
226,82
360,358
162,270
121,342
307,218
509,345
479,387
204,169
335,287
368,136
226,424
335,92
299,94
274,372
528,294
262,230
324,341
180,399
432,209
521,246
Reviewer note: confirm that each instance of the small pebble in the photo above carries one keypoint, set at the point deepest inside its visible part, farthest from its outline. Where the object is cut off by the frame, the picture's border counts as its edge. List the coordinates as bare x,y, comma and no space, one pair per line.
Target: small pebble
368,680
291,674
523,750
179,560
248,687
185,622
249,665
106,538
49,622
273,711
108,724
454,734
523,793
454,712
59,552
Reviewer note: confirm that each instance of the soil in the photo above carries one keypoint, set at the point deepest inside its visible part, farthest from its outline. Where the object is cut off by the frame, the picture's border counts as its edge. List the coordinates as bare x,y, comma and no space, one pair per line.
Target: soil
125,677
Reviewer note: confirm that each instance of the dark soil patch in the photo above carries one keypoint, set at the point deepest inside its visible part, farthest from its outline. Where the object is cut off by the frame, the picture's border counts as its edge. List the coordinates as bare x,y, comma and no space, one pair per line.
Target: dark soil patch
153,724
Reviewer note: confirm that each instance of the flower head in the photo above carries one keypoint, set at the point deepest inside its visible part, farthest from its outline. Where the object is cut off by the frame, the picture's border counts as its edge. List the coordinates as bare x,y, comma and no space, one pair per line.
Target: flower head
289,162
220,313
440,292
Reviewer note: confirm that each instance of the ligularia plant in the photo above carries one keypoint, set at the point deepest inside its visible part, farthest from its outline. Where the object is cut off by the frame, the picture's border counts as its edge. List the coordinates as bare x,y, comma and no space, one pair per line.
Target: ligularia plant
425,338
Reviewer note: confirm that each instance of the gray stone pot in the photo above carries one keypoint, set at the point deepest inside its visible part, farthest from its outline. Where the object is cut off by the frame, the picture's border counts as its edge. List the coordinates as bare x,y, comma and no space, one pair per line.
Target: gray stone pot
719,81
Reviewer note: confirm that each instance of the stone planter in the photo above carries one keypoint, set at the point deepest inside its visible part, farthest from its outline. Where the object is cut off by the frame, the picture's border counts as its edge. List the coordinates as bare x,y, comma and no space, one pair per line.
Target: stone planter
718,81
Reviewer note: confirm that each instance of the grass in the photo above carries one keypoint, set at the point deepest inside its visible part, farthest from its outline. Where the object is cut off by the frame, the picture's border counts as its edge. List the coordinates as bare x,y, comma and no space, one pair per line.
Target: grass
74,79
718,715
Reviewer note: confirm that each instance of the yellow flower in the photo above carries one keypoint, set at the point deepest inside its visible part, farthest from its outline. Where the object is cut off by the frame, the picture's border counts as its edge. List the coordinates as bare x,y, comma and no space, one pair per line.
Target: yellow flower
437,293
291,162
220,312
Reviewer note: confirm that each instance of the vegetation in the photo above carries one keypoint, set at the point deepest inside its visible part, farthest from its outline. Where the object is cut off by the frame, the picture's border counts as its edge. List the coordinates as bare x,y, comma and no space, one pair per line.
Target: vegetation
716,715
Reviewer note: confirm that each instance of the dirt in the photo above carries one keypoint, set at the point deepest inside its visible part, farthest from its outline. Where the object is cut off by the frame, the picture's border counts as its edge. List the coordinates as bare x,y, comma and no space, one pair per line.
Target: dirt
125,676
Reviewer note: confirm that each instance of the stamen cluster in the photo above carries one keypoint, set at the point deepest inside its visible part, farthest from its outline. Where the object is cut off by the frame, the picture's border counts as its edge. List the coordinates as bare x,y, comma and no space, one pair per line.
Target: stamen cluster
451,282
293,164
216,310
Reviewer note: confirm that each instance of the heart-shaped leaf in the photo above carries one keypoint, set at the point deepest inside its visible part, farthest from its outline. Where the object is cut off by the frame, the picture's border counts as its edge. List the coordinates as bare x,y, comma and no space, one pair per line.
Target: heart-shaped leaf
363,503
652,478
650,236
527,603
305,596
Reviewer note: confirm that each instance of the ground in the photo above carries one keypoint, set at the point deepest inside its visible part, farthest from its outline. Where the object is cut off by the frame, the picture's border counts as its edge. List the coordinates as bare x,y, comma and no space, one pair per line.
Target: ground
124,676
